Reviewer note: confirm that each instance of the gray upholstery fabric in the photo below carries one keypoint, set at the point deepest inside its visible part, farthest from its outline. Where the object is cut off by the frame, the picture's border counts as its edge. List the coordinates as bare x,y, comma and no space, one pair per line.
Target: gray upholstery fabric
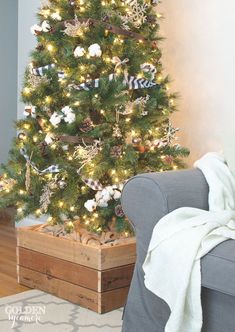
146,199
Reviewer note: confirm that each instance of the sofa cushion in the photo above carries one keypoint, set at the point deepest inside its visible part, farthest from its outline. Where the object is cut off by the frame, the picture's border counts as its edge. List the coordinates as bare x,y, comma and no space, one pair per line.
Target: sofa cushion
218,268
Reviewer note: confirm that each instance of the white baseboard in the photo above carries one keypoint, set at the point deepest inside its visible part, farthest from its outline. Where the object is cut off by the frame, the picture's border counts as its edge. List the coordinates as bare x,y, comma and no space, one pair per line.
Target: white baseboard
31,221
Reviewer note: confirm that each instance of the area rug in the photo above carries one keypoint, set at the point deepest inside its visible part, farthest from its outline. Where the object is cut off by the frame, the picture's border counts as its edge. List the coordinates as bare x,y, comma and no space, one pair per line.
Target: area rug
41,312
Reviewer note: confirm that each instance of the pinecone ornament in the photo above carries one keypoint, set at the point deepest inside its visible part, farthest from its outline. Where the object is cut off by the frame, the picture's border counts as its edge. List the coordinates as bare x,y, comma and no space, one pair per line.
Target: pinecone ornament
116,151
119,211
86,125
40,47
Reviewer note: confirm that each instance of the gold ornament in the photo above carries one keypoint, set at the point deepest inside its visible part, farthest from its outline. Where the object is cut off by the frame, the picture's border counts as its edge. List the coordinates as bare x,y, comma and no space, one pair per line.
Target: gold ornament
35,81
135,16
76,28
28,176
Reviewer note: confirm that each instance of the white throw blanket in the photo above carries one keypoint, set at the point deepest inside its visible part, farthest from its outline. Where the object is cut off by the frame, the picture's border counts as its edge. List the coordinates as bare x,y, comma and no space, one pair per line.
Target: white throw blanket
181,238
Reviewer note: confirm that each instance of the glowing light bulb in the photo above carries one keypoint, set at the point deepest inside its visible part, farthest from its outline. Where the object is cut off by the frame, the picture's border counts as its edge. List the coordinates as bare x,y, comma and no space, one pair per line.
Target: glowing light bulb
48,99
50,219
26,91
20,210
21,192
50,48
27,126
38,212
70,224
61,204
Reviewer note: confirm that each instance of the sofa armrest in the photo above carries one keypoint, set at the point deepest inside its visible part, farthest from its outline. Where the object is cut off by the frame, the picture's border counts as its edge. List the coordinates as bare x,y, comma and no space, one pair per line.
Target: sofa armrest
146,198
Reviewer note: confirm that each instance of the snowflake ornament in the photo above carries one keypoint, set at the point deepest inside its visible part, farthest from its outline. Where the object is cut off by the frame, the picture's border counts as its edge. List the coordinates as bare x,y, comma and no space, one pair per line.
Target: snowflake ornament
136,14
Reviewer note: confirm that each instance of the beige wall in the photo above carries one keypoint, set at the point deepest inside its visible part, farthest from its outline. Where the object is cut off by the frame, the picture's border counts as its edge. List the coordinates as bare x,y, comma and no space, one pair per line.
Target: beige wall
199,55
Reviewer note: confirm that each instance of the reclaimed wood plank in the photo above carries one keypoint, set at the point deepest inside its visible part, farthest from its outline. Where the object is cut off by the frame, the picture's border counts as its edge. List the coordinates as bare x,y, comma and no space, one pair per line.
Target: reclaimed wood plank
98,302
112,300
118,255
115,278
58,268
80,275
65,290
100,258
71,251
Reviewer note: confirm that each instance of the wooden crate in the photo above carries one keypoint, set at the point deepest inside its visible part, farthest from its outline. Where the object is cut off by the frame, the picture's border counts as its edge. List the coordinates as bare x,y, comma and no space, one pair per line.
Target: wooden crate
97,278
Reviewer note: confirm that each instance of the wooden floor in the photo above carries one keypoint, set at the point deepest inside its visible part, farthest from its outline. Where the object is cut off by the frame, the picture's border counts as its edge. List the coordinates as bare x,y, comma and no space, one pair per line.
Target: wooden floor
8,278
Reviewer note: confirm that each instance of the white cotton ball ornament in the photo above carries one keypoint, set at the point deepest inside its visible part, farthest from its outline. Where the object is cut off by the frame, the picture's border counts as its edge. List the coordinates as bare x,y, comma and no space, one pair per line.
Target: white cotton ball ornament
90,205
49,139
117,195
65,147
110,190
79,52
102,203
56,16
106,195
55,119
36,29
45,26
98,195
69,115
95,50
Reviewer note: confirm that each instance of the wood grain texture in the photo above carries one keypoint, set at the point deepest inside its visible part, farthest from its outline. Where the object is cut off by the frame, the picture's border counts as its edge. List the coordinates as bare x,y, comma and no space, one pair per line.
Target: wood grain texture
98,302
99,258
8,275
115,278
59,268
98,281
71,251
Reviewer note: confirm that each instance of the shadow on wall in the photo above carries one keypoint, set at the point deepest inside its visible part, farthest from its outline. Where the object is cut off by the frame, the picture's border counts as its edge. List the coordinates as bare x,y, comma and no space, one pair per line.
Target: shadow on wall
199,55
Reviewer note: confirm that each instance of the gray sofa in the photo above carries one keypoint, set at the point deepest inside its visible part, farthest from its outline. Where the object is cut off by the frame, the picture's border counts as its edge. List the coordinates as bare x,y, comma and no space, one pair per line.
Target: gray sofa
148,197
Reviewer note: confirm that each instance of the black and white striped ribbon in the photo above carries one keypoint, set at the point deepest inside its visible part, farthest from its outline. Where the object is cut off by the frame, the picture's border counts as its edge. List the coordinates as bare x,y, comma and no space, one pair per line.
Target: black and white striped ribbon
132,82
41,71
50,169
93,184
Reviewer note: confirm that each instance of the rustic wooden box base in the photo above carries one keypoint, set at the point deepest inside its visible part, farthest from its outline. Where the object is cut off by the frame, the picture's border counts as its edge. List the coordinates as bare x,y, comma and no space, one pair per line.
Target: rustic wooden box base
97,278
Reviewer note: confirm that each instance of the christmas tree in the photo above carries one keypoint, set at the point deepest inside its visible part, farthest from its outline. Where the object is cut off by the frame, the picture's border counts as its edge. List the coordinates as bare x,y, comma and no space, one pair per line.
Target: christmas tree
97,112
